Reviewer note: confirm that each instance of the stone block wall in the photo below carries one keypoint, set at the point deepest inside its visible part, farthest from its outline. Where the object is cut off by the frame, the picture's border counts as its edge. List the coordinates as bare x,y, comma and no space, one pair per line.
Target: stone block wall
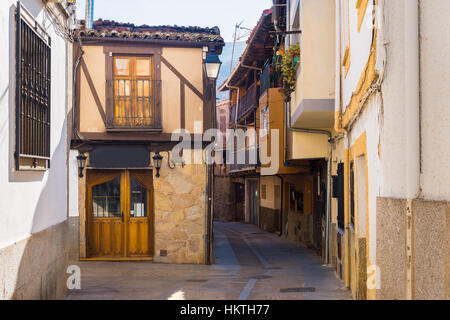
269,219
431,220
35,268
430,249
391,247
301,228
179,204
74,235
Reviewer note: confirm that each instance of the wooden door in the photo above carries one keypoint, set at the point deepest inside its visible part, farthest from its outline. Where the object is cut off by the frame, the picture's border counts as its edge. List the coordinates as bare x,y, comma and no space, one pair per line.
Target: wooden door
138,214
105,205
119,214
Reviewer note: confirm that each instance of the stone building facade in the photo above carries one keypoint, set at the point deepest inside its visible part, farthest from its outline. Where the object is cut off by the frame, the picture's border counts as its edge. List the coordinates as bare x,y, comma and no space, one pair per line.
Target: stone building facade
154,210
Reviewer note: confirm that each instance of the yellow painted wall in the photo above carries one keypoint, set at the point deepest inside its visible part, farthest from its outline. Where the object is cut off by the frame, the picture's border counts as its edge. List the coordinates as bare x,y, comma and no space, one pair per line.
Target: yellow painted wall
276,122
308,146
90,119
270,182
188,61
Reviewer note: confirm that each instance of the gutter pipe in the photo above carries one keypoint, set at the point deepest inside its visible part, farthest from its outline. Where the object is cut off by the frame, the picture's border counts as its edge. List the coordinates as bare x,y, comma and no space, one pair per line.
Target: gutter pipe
412,99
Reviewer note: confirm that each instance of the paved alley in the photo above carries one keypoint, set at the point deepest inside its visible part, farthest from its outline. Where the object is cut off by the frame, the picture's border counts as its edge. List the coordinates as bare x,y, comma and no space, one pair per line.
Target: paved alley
250,265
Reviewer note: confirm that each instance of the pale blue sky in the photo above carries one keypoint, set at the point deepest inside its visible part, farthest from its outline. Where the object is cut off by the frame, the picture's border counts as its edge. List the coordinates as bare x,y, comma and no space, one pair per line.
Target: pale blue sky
204,13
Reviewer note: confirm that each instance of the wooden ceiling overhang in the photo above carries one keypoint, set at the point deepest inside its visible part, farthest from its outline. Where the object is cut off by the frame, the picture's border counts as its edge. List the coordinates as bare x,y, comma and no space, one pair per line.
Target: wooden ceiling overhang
259,48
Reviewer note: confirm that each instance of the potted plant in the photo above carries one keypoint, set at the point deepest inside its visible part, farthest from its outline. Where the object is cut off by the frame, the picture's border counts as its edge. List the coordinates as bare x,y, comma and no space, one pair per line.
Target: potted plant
289,62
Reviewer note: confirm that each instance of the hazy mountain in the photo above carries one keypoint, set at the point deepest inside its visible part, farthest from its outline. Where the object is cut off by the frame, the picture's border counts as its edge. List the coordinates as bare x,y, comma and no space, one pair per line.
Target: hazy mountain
225,57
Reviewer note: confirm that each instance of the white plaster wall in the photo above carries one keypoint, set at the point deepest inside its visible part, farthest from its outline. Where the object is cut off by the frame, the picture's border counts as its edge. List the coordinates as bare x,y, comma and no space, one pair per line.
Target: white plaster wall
435,104
435,90
73,184
368,122
360,44
31,202
393,126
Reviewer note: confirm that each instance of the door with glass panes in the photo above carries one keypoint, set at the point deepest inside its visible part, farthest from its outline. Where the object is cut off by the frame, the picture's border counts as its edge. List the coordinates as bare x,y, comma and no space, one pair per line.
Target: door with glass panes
119,214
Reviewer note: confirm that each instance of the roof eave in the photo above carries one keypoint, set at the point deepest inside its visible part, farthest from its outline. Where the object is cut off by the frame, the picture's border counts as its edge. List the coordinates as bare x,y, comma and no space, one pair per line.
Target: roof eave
164,42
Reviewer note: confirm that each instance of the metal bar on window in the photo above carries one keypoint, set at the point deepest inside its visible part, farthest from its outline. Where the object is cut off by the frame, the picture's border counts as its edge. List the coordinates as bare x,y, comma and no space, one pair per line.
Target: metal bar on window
33,88
18,85
138,108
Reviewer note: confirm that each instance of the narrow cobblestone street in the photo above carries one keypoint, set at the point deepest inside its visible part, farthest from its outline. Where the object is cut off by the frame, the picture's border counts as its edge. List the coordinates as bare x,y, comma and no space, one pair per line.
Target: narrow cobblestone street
250,264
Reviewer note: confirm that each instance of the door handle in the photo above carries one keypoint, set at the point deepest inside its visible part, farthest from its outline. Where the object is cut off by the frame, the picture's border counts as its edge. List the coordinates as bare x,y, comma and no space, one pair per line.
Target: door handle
121,216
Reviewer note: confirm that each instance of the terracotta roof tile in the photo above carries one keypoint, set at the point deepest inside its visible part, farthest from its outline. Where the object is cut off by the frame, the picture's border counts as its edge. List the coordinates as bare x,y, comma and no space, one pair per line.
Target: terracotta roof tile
113,29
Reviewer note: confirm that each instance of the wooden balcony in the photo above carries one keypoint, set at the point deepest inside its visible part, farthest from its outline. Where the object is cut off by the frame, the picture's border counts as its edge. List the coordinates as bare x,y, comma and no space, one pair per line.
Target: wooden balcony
136,106
249,102
248,164
269,79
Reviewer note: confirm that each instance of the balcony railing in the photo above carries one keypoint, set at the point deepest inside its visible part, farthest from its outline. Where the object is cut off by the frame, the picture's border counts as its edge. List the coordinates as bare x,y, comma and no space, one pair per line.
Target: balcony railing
249,102
269,79
251,161
135,105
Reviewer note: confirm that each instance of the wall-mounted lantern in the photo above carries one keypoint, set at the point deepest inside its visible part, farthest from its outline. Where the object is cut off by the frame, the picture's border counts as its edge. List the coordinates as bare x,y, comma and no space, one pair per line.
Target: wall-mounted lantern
157,161
212,65
81,160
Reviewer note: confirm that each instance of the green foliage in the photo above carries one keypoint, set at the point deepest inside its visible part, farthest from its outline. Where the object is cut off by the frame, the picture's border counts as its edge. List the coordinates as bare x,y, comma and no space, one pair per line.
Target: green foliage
288,71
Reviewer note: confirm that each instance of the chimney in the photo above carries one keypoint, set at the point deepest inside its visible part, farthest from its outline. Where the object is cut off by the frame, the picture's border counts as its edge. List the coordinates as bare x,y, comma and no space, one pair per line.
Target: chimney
89,24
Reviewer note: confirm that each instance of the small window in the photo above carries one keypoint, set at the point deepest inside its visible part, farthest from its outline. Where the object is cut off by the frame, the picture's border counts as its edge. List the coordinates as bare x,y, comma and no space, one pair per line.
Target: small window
338,193
299,199
263,191
122,66
33,78
352,194
138,200
135,103
292,195
106,199
143,67
264,121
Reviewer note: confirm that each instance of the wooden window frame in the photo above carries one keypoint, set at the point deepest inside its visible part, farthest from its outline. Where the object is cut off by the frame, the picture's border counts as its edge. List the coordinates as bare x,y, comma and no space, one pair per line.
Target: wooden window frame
263,191
265,121
111,52
352,193
33,94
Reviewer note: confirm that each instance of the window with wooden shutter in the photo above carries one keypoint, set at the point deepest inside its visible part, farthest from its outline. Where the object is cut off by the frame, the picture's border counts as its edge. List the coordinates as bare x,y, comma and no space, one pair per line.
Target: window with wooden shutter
33,70
134,94
352,194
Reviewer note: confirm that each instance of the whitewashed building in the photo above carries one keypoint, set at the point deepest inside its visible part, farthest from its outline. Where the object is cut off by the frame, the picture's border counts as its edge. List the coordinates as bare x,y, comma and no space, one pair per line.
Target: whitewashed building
35,99
388,80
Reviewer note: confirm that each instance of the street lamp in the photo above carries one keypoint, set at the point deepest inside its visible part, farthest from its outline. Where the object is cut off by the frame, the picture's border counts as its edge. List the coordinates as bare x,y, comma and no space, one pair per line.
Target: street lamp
81,160
212,65
157,160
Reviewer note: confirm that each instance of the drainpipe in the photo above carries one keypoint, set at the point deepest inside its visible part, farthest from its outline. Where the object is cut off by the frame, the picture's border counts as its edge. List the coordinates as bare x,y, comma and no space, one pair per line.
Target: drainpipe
210,184
330,140
337,89
412,128
206,258
412,102
281,205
